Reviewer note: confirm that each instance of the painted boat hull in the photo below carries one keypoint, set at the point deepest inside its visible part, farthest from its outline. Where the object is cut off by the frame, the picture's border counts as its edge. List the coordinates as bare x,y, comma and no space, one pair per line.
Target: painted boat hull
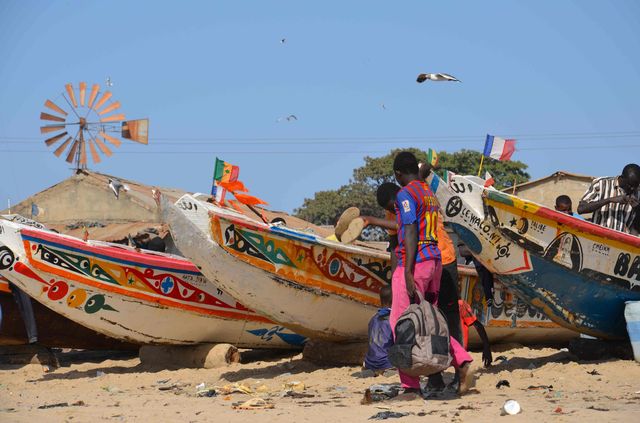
145,298
569,269
54,330
316,287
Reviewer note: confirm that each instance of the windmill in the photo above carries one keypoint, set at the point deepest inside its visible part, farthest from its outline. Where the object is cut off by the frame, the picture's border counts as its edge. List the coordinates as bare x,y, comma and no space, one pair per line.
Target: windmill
89,123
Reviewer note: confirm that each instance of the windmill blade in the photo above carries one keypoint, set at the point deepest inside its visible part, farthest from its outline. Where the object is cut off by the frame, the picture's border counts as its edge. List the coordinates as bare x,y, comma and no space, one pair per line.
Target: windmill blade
53,106
83,91
62,147
72,152
54,139
102,146
111,139
72,95
113,118
93,95
94,153
106,96
110,108
136,130
51,128
47,116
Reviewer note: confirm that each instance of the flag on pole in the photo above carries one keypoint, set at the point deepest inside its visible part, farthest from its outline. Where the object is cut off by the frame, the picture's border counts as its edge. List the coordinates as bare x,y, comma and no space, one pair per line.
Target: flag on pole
223,172
488,179
233,186
499,148
446,176
432,157
249,200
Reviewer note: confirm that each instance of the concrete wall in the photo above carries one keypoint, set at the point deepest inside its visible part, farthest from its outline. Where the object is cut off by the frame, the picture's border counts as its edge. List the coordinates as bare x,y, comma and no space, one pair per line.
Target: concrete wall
545,192
82,198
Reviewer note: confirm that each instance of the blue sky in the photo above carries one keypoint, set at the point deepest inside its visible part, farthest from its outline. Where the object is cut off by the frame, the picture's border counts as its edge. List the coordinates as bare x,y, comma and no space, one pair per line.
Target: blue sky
561,76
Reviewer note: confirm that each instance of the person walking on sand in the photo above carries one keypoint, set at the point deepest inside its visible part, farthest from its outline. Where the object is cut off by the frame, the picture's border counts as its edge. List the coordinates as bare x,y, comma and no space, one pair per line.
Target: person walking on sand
419,258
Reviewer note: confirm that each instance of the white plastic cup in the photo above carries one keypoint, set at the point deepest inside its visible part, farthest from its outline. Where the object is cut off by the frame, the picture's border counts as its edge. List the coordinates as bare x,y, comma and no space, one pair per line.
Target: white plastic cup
511,407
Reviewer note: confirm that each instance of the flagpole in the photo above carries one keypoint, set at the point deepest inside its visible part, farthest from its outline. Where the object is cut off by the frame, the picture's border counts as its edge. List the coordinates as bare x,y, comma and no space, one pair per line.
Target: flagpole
481,162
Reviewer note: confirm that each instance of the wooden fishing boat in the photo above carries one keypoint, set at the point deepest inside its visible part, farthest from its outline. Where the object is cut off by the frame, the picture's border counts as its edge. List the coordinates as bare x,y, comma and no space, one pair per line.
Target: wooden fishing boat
577,273
54,330
509,319
314,286
140,297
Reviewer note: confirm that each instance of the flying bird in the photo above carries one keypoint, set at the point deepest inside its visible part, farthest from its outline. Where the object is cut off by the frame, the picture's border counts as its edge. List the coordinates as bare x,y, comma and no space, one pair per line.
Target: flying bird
116,186
283,40
383,106
109,82
289,118
436,77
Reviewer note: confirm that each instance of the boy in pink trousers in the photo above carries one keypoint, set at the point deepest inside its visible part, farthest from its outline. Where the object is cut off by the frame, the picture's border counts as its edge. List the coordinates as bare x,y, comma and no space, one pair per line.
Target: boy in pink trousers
419,262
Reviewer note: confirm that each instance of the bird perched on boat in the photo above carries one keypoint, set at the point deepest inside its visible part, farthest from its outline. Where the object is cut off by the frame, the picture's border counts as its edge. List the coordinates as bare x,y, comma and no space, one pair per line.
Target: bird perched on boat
116,186
436,77
289,118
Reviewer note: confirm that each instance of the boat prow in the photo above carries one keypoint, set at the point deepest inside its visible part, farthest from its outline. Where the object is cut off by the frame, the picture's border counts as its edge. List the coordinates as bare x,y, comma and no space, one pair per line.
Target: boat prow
578,273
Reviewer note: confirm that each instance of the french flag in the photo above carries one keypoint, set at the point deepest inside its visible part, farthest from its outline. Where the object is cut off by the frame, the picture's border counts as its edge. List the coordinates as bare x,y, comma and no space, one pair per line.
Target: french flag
499,148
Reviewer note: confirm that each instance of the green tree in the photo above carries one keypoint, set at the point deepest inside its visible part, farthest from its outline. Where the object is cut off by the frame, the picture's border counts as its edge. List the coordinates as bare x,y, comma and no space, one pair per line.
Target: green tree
326,206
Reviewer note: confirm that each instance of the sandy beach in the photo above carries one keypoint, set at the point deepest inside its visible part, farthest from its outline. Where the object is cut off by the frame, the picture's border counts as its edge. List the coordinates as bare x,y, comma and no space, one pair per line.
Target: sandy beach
548,384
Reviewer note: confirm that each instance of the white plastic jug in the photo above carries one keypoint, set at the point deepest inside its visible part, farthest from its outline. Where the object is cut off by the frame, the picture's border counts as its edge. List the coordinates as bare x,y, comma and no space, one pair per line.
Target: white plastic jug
632,316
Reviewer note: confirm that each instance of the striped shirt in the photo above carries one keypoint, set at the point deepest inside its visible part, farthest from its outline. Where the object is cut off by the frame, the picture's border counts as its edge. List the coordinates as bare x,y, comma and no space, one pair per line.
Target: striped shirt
613,215
415,203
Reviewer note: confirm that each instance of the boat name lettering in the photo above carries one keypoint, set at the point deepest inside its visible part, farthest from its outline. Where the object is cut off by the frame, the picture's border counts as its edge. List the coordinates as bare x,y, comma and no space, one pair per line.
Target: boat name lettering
458,188
601,249
538,227
484,229
625,267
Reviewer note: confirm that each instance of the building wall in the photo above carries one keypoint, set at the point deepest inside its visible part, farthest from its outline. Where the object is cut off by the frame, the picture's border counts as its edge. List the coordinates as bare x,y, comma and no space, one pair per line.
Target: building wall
545,192
80,198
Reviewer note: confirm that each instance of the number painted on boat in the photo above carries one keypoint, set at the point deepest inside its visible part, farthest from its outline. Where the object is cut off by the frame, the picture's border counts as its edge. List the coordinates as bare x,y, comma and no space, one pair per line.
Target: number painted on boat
625,267
187,205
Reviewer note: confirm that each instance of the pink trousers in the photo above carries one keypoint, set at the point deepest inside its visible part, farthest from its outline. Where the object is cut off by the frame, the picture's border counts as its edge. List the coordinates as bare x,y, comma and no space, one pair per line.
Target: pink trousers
427,276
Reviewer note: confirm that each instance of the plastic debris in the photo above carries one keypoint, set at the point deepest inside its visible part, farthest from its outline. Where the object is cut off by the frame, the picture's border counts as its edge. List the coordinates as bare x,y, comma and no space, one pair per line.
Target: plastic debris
593,407
384,415
253,404
502,383
380,392
511,407
206,392
100,373
501,358
594,372
534,387
294,386
233,389
558,410
200,386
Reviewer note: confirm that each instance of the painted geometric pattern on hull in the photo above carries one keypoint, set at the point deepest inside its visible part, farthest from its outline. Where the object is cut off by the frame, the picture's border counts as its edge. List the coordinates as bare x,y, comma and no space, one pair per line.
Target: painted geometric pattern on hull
74,264
300,260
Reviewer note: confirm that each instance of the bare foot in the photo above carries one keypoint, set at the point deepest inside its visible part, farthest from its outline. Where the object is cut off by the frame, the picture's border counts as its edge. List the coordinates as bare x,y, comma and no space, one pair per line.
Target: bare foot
466,378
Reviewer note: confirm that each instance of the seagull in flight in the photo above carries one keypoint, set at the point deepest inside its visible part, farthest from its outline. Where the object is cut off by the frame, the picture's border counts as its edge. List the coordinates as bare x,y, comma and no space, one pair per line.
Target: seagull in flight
116,186
283,40
436,77
109,82
289,118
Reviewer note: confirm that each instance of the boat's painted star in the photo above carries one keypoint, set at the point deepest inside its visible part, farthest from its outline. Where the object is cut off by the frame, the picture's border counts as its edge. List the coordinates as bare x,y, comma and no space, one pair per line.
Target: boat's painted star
513,222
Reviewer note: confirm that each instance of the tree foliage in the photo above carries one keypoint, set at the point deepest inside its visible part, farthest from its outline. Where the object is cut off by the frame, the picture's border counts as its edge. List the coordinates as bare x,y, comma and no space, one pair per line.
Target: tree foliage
326,206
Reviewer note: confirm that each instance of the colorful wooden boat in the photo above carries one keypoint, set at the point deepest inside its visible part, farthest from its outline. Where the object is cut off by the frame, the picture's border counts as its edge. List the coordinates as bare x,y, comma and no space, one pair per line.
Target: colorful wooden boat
314,286
54,330
509,319
141,297
577,273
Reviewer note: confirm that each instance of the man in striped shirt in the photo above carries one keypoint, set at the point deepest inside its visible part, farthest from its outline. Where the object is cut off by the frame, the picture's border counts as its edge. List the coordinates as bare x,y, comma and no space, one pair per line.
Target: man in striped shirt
614,200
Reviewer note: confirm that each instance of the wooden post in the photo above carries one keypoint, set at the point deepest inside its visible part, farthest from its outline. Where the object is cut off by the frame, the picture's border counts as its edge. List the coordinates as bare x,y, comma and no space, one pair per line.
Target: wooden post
515,183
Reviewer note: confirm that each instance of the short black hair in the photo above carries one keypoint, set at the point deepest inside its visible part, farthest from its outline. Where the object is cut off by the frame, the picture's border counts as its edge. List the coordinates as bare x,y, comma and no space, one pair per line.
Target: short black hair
563,199
386,192
406,163
631,170
385,296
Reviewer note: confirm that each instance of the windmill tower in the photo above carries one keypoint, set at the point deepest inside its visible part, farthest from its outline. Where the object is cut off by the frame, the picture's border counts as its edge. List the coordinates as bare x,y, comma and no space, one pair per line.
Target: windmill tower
87,121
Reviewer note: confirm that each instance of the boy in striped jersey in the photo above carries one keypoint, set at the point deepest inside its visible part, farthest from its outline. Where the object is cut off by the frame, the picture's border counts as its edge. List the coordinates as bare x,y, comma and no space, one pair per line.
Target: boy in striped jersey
614,200
419,258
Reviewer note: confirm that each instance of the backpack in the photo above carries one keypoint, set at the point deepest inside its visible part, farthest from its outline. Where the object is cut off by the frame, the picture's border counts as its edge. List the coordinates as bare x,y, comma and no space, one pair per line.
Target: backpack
422,340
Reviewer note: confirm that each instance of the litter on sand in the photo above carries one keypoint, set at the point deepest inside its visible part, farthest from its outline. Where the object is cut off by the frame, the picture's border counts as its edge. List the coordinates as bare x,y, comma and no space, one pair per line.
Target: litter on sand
511,407
384,415
253,404
502,383
537,387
